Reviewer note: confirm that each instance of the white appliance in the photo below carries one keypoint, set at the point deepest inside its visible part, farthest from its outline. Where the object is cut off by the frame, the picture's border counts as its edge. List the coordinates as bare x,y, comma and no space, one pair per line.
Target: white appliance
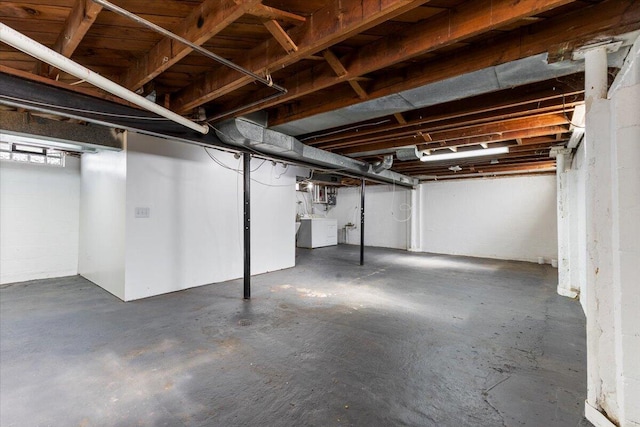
317,232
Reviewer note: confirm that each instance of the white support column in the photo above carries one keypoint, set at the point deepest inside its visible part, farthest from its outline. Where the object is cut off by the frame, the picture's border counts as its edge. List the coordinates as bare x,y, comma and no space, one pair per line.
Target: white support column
415,230
601,381
565,286
595,75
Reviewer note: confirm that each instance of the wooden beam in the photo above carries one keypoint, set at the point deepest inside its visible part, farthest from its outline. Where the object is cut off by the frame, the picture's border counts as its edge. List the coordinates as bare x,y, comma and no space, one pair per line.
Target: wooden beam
614,17
280,35
334,63
444,29
468,171
458,130
425,136
518,167
540,97
408,132
331,24
534,135
337,67
271,13
205,21
472,163
83,14
358,89
400,118
491,132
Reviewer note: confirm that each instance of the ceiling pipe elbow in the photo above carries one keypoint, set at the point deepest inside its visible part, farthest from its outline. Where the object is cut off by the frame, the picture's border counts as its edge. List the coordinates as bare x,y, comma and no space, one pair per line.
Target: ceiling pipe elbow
385,164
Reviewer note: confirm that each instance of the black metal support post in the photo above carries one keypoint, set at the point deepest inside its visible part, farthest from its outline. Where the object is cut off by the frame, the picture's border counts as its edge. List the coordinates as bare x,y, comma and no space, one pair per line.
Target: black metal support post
247,224
362,223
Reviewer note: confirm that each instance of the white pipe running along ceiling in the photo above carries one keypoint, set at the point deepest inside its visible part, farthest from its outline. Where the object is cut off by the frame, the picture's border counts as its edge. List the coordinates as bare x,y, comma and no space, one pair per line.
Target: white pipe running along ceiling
31,47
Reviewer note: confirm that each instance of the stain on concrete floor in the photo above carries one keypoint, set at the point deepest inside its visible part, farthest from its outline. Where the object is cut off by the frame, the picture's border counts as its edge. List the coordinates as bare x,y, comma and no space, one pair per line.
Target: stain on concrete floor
408,339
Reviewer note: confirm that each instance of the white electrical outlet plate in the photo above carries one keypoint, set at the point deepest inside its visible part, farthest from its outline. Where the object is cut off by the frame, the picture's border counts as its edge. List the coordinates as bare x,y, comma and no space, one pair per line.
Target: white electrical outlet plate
143,212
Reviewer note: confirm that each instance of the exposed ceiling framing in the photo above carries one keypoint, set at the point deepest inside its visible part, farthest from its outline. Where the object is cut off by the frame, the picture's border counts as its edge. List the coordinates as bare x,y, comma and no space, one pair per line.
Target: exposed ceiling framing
363,78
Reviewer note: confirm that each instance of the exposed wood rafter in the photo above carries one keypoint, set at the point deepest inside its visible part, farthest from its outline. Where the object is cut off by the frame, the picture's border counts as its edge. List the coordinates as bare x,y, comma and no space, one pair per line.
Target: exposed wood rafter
83,14
338,68
333,23
460,136
280,35
440,31
614,17
271,13
205,21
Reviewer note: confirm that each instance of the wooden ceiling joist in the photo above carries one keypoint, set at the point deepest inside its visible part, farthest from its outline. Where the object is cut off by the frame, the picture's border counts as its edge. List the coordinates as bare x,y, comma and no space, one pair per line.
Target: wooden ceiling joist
271,13
400,118
534,119
338,68
614,17
442,30
331,54
205,21
484,133
425,133
280,35
334,63
83,14
333,23
559,94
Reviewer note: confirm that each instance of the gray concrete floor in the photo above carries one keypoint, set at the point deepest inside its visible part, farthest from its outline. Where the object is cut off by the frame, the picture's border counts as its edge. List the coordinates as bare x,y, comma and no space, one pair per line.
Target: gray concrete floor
408,339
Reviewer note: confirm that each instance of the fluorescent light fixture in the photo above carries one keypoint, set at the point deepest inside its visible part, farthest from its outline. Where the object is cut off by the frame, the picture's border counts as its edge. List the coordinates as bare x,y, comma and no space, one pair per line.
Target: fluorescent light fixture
464,154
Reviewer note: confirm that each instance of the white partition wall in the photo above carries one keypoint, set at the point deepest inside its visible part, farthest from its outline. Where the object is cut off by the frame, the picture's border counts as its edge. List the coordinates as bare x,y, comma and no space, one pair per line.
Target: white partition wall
182,211
102,220
39,211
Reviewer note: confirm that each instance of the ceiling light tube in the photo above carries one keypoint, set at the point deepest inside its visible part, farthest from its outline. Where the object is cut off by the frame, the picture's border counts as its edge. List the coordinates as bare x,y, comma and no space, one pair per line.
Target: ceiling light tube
464,154
39,51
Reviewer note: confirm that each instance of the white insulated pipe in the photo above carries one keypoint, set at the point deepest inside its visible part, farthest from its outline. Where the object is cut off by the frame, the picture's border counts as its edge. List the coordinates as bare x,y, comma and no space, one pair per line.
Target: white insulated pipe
31,47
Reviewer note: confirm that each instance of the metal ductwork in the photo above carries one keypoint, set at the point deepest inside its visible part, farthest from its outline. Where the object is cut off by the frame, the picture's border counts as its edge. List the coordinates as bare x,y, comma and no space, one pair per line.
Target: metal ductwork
242,133
383,165
406,154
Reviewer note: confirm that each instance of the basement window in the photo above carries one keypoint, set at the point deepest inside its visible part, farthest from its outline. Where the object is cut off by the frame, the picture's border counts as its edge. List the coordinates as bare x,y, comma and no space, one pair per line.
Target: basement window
31,154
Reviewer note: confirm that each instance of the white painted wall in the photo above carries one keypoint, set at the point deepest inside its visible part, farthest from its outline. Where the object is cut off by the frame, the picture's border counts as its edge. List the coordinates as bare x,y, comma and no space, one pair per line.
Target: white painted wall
387,215
505,218
102,220
194,233
273,215
39,211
